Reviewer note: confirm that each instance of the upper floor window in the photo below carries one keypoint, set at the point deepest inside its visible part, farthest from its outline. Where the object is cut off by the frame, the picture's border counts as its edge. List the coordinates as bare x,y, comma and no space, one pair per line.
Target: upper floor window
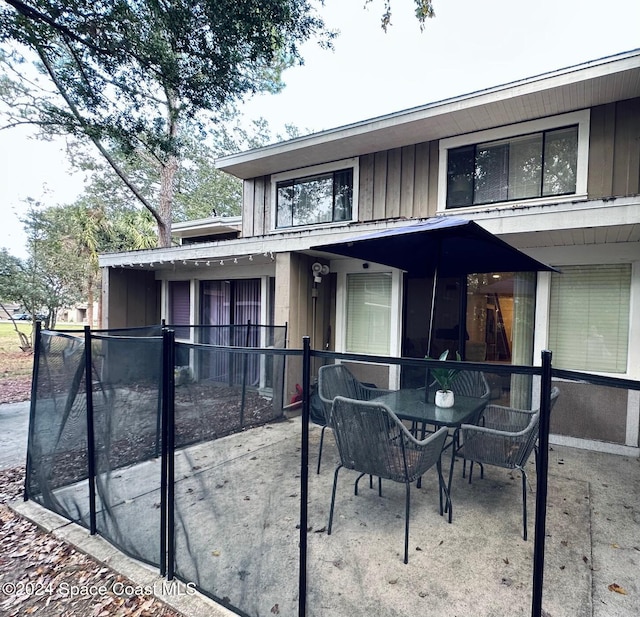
541,159
324,194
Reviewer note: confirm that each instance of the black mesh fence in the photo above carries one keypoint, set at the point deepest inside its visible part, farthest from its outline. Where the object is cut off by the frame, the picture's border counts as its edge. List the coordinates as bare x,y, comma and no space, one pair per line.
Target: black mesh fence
57,461
244,509
208,406
127,398
97,455
237,487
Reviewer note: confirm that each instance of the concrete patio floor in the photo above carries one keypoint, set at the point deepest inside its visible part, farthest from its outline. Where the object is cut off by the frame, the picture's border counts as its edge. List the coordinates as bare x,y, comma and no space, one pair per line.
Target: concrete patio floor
237,509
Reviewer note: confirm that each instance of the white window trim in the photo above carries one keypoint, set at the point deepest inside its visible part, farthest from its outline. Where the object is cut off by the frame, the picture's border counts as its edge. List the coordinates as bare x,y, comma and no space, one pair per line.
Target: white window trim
351,266
316,170
581,118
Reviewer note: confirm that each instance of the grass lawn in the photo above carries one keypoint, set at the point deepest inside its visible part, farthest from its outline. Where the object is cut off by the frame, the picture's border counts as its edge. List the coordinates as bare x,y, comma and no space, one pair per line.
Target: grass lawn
16,365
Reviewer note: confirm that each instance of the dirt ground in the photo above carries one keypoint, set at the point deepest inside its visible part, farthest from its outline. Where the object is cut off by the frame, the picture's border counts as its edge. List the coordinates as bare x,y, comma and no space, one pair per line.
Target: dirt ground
15,376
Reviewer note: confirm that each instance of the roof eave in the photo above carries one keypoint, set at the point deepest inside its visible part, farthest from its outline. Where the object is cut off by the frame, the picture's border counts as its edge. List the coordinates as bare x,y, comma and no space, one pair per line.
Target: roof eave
503,104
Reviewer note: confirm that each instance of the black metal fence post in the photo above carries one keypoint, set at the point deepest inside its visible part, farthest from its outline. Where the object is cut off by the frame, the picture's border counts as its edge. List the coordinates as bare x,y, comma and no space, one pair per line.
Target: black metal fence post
167,488
541,488
304,477
32,406
91,443
245,367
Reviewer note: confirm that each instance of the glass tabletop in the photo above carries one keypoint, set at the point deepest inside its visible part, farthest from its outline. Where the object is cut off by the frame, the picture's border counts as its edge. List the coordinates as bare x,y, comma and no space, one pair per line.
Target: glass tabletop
410,404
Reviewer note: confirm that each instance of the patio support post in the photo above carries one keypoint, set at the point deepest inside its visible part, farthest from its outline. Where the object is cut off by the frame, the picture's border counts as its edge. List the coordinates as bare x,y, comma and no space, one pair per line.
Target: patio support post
32,406
541,487
304,476
91,449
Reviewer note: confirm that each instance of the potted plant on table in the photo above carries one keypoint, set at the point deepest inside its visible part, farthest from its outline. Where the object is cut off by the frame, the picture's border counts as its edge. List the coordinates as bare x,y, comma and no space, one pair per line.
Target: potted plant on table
445,377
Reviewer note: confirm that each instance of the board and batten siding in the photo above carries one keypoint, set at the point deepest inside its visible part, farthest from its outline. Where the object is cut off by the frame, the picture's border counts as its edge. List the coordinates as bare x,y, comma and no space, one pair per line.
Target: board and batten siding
614,150
397,183
402,182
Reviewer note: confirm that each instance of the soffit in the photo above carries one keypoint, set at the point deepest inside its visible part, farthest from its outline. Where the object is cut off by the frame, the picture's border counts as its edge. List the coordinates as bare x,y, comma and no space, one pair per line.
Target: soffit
614,234
596,83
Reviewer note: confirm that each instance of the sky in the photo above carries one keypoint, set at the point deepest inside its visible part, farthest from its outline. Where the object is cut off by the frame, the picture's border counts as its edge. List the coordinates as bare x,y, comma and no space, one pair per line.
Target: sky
470,45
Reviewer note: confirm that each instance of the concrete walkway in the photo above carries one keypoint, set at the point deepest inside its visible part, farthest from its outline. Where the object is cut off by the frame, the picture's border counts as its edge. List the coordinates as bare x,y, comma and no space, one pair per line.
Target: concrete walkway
14,424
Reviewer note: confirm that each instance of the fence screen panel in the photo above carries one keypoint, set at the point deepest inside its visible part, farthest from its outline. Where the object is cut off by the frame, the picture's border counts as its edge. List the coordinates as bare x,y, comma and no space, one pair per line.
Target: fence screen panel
237,489
57,468
127,399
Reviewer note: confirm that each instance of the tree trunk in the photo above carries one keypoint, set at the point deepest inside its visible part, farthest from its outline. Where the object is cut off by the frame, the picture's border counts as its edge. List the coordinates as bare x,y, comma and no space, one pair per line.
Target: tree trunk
167,191
90,303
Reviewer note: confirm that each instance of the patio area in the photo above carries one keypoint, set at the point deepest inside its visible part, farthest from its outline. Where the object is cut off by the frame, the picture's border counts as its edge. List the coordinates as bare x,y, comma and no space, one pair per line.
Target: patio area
237,511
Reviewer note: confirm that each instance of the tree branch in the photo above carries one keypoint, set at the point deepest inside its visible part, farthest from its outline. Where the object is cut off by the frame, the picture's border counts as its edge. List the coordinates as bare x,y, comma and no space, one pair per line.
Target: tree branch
35,15
85,129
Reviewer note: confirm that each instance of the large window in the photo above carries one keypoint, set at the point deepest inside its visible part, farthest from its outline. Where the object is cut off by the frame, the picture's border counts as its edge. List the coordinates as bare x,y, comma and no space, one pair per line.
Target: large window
321,195
368,324
538,165
541,160
589,317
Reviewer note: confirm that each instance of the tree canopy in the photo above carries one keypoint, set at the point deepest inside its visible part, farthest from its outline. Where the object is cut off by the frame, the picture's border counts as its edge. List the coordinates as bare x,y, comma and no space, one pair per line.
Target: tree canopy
127,75
130,77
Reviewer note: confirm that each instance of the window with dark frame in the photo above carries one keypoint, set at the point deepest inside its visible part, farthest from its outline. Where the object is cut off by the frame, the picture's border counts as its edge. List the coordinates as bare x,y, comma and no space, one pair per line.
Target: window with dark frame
312,200
541,164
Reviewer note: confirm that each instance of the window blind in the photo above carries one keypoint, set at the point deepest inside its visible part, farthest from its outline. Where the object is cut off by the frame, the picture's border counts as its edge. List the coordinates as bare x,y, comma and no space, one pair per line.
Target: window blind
589,317
369,313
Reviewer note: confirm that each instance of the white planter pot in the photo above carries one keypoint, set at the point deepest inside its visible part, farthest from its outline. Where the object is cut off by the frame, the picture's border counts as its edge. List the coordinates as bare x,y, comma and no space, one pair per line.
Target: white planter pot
444,398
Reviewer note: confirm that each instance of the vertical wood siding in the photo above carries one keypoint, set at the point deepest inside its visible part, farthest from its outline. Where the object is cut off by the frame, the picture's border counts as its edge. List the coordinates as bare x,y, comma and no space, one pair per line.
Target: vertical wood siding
403,182
614,150
393,183
396,183
256,211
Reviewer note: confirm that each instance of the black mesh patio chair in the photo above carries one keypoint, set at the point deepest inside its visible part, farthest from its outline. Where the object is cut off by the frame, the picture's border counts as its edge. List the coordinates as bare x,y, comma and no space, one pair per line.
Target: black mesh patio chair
475,384
501,418
506,440
471,383
372,440
337,380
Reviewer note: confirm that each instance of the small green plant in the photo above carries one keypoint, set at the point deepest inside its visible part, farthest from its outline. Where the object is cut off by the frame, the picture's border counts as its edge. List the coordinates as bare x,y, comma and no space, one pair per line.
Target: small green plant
445,376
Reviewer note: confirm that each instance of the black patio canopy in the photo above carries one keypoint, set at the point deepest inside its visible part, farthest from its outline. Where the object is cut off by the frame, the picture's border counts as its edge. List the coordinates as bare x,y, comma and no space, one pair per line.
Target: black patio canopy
442,245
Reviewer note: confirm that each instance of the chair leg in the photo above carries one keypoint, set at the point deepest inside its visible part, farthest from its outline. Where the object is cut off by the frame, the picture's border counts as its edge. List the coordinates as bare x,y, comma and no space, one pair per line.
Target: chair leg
443,487
471,469
406,522
333,499
355,490
524,502
320,449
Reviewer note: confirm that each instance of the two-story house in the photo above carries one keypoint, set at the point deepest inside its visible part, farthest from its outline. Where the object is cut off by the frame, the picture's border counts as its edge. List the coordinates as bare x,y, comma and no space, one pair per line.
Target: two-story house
550,164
